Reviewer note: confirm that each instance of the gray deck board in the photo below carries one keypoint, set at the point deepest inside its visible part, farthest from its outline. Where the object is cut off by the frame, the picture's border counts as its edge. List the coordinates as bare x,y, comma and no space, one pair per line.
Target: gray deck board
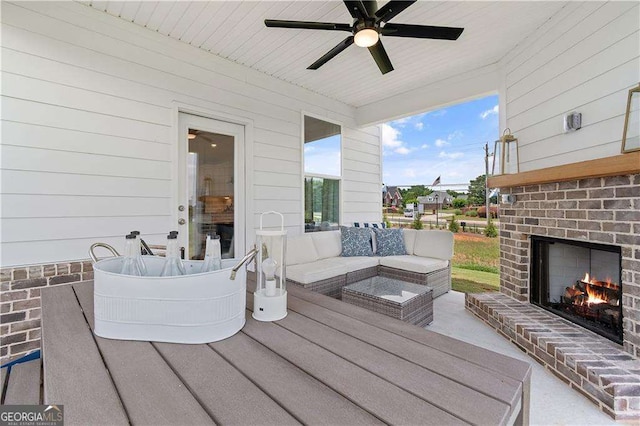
490,360
327,363
308,399
455,398
23,386
493,384
217,385
73,367
385,400
151,392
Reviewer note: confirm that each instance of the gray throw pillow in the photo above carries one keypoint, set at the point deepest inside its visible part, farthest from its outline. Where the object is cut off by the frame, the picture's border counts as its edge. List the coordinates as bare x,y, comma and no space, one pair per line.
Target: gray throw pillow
356,241
389,242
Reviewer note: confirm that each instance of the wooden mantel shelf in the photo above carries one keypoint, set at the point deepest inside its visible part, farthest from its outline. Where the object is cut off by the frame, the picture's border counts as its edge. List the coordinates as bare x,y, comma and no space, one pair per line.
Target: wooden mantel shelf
623,164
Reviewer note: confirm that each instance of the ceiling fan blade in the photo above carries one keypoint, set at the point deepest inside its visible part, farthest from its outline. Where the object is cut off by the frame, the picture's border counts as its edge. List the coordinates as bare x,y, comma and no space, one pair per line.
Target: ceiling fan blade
275,23
391,9
381,57
421,31
332,53
357,9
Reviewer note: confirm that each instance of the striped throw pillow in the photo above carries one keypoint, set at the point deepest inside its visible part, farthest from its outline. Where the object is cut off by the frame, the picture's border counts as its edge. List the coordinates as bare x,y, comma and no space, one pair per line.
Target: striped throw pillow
369,225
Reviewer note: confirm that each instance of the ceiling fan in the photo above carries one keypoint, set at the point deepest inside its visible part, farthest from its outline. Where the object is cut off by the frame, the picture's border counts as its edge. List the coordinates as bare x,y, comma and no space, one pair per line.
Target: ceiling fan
368,24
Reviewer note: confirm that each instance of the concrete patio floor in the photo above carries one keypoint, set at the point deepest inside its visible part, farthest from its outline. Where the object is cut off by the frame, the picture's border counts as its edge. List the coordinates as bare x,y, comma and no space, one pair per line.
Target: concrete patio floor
552,401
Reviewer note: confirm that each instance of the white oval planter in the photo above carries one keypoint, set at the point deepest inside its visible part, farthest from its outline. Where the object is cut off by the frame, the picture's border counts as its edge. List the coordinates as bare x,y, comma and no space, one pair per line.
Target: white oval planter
194,308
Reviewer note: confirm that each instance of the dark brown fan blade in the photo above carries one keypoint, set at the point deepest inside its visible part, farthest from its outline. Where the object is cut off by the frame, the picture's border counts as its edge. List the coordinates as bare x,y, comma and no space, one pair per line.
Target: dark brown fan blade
391,9
332,53
307,25
357,9
421,31
381,57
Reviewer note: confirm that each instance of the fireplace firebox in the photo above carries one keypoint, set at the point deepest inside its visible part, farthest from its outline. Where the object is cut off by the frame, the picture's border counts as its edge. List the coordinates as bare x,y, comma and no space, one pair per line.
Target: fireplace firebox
579,281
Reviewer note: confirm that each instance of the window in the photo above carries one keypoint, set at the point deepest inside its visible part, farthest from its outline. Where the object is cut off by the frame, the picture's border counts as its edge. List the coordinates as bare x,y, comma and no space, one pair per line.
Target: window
322,170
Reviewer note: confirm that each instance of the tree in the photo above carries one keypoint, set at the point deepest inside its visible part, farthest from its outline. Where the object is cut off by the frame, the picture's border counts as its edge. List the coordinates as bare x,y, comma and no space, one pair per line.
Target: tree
459,203
411,195
454,226
491,231
477,190
417,223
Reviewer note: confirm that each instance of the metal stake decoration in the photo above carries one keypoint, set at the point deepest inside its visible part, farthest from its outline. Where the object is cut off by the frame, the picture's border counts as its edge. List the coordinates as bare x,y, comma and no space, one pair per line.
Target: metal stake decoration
506,149
270,297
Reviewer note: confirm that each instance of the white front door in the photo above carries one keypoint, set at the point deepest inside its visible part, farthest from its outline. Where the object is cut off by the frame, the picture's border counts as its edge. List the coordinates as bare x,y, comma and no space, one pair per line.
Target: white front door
211,185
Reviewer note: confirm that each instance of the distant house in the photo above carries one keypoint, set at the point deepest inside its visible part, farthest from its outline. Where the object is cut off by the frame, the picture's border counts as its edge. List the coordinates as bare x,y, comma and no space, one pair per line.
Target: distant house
391,197
435,200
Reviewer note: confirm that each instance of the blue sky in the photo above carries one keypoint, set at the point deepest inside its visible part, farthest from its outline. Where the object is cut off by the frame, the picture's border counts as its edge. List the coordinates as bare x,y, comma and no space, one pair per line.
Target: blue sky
448,142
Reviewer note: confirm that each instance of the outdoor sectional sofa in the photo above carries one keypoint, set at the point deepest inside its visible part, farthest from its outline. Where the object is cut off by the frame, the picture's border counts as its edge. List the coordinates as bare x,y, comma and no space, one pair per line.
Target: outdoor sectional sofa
314,262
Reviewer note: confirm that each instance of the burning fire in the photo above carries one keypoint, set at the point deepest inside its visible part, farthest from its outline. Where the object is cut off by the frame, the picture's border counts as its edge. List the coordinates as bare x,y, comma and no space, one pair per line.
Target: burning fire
596,296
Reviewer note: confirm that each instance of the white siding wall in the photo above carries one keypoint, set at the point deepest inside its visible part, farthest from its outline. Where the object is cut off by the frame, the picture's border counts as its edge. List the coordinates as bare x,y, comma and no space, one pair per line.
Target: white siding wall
89,139
584,59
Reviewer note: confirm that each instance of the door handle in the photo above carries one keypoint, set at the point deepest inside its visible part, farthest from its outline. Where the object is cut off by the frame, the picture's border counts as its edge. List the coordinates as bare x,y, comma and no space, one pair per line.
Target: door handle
181,221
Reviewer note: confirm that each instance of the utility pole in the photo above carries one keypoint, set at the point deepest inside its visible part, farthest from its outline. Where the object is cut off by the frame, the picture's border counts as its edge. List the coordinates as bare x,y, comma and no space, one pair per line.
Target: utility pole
486,181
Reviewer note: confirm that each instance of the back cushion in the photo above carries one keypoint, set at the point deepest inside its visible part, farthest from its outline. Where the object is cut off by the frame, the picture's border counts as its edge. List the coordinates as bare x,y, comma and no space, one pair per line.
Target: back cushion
390,242
355,241
409,239
300,249
435,244
327,243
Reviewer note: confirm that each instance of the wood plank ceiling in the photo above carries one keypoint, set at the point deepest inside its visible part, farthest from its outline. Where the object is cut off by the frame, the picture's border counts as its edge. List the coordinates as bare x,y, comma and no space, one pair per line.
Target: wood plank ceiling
235,30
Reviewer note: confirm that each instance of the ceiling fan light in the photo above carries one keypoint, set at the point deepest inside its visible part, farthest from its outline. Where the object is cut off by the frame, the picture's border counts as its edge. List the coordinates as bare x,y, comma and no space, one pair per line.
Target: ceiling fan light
366,37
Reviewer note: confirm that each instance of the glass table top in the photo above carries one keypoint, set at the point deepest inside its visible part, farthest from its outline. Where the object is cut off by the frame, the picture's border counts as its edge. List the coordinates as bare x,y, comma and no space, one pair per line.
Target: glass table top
388,288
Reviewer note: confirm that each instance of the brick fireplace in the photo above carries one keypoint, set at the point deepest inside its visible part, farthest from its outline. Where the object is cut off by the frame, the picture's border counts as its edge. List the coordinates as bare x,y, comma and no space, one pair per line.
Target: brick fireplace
598,210
601,214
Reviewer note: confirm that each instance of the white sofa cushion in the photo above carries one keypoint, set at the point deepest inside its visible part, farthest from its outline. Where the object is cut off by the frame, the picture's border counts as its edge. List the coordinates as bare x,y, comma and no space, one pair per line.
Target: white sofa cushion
327,243
300,249
409,239
422,265
435,244
323,269
358,262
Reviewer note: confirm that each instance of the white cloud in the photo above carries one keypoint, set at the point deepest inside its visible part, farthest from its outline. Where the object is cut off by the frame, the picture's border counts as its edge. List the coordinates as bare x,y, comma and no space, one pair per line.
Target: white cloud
437,113
451,156
489,112
402,150
441,142
409,173
419,125
309,148
390,137
424,146
401,121
455,135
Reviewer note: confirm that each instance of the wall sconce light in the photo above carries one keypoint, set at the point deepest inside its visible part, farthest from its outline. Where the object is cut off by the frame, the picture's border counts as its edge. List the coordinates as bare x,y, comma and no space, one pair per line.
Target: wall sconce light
508,198
506,151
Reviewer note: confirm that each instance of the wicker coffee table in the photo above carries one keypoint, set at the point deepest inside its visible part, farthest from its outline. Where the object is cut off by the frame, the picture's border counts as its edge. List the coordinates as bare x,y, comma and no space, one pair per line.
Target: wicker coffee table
412,303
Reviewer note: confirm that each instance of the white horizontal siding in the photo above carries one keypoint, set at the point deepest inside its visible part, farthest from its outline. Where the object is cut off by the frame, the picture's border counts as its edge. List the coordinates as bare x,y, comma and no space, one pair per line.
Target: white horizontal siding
89,123
584,59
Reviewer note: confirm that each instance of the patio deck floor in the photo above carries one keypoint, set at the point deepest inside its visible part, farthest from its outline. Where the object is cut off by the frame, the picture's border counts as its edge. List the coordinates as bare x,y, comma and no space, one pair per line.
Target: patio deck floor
552,401
326,362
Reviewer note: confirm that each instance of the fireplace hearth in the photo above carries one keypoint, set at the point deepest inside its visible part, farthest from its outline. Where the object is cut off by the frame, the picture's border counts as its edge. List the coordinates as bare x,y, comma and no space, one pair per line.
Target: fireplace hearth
565,281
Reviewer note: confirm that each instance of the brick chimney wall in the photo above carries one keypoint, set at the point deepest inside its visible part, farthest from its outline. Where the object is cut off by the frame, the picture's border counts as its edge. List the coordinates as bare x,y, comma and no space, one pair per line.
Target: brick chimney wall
600,210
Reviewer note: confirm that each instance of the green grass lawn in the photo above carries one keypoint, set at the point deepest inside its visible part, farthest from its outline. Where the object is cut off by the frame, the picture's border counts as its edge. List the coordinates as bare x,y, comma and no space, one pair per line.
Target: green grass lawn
475,264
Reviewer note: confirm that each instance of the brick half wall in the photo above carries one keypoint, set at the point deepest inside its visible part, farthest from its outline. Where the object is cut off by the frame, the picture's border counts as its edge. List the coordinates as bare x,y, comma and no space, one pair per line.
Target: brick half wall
600,210
20,302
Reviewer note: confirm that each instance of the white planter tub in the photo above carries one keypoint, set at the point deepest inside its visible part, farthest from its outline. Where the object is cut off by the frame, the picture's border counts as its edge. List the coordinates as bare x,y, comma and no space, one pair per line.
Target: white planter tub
194,308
